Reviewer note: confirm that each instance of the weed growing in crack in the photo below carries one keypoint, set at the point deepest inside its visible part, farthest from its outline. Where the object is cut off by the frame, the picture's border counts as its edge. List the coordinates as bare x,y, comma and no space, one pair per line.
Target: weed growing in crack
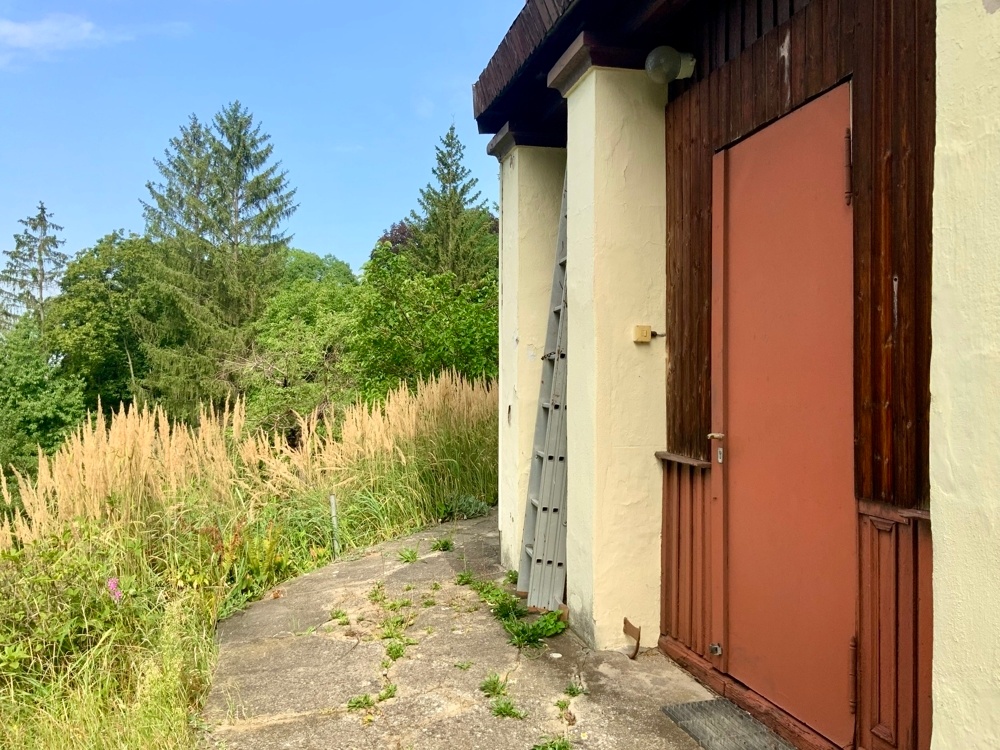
408,555
360,702
530,634
389,691
394,627
508,609
435,586
428,601
574,689
562,704
377,594
505,708
397,604
494,686
396,650
463,665
511,577
556,743
444,544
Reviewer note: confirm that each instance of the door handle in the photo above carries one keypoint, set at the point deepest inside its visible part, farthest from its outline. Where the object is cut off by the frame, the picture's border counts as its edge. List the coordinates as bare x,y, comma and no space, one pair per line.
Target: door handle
716,436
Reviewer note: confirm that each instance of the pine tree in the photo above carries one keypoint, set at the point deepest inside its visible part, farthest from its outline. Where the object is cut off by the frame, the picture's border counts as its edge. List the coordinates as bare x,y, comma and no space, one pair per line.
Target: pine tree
33,267
454,230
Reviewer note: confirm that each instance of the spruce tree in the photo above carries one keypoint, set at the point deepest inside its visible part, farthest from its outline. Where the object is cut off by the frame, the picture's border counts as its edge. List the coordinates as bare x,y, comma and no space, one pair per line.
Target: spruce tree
33,268
216,219
454,230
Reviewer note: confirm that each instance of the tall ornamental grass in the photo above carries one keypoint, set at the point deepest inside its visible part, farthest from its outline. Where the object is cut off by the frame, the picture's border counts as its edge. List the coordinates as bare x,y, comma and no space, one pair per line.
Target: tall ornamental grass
138,534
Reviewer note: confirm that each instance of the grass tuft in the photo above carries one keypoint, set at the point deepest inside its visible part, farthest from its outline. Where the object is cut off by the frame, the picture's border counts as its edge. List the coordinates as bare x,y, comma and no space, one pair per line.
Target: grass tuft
444,544
556,743
574,689
408,555
389,691
494,686
505,708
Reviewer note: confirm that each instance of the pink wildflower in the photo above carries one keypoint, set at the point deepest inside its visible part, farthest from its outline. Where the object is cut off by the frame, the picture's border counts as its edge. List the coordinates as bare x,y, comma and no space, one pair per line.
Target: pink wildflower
116,593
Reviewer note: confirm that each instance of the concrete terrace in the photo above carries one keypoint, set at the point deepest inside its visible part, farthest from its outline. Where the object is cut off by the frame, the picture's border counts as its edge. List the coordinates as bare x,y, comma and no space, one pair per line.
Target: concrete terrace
287,669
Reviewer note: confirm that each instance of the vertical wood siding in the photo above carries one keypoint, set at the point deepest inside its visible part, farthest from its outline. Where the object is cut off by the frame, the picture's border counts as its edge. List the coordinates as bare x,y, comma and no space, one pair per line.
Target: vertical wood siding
894,677
758,60
686,565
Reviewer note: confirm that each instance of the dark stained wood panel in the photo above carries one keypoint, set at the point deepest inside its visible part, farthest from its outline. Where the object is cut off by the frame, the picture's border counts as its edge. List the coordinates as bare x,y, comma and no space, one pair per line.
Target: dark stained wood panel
689,271
789,52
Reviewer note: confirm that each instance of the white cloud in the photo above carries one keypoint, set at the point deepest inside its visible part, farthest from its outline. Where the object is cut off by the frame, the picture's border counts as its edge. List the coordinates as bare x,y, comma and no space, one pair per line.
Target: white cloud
58,32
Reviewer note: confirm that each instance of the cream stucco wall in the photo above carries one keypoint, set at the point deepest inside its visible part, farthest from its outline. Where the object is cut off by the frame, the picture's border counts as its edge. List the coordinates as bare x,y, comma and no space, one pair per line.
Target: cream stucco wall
965,378
616,394
531,187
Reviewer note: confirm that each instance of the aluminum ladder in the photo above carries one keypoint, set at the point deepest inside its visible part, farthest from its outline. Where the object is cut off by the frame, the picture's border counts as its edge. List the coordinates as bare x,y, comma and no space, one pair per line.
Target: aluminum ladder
542,572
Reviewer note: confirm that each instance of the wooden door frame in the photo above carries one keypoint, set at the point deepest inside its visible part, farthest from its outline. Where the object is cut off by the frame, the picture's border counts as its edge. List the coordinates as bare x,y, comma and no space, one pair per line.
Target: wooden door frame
720,520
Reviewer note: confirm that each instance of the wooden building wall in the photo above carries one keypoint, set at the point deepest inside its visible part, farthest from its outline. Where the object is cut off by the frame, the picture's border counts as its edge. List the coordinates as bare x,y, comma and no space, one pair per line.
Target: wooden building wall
758,60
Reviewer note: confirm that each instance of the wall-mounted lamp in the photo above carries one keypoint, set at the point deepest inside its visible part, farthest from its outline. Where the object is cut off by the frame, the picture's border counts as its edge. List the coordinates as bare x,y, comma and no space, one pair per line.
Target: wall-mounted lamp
665,64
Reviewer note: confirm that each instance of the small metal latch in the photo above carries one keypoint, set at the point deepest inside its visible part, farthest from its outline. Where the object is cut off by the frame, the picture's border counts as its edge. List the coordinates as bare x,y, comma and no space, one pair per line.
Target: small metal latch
715,649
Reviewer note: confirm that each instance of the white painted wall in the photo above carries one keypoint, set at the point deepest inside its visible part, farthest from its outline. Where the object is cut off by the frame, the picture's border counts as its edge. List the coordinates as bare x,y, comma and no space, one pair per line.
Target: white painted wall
965,378
531,187
616,391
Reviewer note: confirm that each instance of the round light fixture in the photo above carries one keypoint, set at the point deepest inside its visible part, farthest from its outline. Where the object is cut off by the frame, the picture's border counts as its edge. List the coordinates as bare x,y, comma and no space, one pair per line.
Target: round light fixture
665,64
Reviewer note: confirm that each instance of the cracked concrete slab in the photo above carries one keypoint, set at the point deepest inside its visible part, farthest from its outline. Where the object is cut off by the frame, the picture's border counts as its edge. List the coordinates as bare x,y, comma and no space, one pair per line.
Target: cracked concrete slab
288,668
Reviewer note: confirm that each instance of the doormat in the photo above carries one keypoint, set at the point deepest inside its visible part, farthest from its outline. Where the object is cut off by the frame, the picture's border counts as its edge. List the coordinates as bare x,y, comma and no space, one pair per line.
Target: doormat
720,725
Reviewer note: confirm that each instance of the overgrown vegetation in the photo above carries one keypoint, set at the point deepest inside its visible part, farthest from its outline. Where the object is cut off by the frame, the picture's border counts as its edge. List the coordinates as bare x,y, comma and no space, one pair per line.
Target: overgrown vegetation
178,406
507,608
139,532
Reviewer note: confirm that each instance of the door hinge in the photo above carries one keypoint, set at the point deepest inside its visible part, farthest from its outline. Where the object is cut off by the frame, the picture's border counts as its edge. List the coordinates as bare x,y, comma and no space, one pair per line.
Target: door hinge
848,167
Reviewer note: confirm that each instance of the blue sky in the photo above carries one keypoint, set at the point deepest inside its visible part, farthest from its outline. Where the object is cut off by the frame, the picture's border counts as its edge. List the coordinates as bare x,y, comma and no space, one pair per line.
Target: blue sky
354,94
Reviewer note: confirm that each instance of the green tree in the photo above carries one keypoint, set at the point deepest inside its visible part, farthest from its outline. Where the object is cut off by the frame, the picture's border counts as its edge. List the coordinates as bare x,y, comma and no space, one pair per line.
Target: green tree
453,231
295,365
38,403
405,325
105,291
33,267
216,218
304,265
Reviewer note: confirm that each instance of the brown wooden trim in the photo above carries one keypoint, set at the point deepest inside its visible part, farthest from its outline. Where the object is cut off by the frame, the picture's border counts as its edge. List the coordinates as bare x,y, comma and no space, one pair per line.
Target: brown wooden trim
587,51
780,722
676,458
916,514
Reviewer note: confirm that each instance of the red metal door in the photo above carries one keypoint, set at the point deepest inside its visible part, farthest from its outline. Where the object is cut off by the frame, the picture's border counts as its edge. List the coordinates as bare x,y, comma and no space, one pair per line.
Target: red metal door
787,394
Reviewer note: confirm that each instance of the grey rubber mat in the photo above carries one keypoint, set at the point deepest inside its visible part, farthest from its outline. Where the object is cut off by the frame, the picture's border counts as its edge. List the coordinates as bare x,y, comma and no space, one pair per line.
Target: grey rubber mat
719,725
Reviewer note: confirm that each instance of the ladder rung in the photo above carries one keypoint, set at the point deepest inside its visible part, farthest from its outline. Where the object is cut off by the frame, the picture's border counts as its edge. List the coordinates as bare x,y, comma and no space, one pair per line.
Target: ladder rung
557,309
540,454
530,549
534,501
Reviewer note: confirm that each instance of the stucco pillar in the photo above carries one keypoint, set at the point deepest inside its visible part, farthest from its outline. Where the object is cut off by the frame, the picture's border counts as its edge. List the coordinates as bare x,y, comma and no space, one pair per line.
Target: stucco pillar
531,186
616,392
965,378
